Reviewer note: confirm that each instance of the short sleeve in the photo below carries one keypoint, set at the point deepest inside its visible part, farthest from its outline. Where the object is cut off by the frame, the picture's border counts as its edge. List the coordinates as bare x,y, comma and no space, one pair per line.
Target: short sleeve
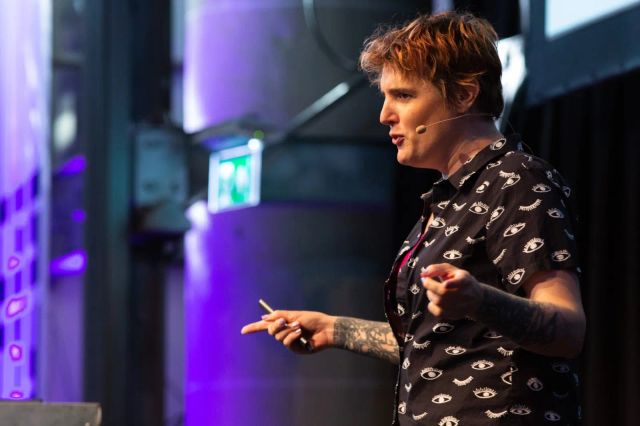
532,226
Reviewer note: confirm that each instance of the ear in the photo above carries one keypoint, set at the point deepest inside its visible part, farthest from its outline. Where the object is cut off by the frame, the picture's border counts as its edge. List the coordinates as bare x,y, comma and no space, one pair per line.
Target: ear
466,96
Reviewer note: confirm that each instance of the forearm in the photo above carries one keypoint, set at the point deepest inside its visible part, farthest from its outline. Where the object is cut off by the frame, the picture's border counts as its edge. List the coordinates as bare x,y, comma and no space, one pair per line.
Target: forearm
543,328
364,337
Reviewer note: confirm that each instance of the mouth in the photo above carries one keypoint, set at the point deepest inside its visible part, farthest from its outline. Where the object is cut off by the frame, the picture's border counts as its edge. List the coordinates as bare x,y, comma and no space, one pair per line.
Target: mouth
397,140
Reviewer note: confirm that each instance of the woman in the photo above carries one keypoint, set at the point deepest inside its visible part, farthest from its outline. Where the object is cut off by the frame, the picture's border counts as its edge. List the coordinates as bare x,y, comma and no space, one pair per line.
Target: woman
483,303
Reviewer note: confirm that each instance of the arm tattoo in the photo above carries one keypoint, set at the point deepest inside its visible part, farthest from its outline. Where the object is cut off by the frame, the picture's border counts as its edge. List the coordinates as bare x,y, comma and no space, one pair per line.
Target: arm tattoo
367,338
521,320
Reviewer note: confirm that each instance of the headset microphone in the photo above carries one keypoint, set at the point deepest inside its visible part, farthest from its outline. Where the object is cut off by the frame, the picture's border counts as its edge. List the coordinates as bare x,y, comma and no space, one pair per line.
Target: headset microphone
423,128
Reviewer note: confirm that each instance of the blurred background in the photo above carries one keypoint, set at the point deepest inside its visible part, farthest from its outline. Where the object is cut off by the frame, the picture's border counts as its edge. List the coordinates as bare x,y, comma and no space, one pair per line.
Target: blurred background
166,163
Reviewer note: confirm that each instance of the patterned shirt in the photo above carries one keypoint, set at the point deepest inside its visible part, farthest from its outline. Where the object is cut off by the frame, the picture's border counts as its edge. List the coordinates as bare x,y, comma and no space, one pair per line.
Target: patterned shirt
502,216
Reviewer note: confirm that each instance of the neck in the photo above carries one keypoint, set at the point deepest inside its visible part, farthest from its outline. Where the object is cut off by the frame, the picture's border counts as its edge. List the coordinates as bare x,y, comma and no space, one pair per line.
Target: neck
467,142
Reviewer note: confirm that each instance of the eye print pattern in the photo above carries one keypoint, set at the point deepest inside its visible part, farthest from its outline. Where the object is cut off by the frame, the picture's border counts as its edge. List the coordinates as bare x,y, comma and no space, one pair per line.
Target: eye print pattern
560,255
455,350
552,416
533,245
441,398
541,188
464,382
430,373
484,393
482,365
514,229
420,416
452,255
438,222
479,208
451,230
535,384
520,410
449,421
443,327
497,415
512,212
515,276
555,213
482,187
422,345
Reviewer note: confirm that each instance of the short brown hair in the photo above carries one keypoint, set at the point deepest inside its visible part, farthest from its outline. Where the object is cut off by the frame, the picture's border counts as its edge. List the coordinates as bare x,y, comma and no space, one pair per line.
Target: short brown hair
448,49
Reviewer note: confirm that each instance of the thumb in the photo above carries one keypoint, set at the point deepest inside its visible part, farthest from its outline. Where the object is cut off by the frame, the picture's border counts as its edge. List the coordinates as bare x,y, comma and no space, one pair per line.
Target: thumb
438,270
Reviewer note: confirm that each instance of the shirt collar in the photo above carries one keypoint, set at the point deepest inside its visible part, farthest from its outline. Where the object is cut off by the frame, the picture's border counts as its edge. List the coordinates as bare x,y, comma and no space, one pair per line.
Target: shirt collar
495,149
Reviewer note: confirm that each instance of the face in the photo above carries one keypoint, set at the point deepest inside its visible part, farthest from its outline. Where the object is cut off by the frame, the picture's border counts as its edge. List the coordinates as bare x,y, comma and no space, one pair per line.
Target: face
409,103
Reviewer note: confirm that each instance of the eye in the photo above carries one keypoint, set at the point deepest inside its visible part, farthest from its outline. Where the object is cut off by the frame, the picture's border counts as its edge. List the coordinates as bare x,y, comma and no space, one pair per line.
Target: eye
520,410
441,398
408,337
552,416
402,408
535,384
455,350
452,254
492,335
449,421
514,229
555,213
560,255
567,191
442,327
495,214
515,276
438,222
533,245
479,208
451,229
560,367
484,393
483,187
511,181
442,204
400,310
497,144
406,363
430,373
482,365
507,377
541,187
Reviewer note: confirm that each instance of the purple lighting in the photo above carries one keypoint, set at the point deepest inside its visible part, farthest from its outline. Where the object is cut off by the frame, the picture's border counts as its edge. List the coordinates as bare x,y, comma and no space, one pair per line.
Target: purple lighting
13,263
24,135
69,264
78,215
15,352
16,306
75,165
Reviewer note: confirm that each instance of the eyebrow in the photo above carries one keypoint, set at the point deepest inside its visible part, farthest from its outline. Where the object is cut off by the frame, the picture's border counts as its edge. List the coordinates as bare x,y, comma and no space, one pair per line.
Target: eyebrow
398,90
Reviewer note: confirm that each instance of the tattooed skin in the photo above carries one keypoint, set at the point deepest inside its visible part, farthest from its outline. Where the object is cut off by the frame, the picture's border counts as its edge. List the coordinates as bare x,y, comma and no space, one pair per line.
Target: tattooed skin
523,321
369,338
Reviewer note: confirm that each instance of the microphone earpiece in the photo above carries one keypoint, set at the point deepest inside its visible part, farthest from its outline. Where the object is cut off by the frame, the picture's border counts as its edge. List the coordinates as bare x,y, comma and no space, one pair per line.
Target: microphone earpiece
423,128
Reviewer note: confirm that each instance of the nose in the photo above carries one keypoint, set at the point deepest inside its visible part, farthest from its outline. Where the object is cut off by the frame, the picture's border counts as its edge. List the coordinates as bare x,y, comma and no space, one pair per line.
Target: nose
387,116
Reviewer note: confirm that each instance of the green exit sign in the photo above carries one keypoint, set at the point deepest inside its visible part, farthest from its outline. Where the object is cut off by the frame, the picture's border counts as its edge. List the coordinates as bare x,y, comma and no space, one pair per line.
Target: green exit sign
234,177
